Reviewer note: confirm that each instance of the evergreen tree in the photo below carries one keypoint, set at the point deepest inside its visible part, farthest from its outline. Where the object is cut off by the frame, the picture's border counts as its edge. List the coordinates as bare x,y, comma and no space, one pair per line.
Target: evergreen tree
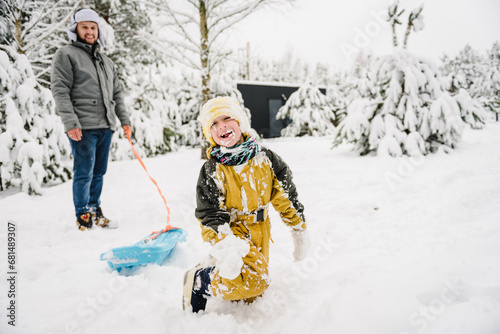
335,94
321,74
310,113
353,84
487,86
187,95
471,109
32,141
409,112
153,111
463,70
463,74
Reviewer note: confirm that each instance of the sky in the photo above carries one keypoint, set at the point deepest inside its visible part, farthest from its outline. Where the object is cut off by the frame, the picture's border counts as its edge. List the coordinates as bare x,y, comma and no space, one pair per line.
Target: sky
333,32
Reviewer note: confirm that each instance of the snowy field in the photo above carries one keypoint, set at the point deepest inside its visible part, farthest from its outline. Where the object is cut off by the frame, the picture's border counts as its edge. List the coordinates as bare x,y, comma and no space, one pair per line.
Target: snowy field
398,246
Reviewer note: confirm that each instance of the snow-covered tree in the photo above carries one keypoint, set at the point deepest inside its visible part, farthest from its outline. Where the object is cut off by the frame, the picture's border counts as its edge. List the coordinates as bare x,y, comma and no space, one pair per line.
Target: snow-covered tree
471,109
463,70
223,84
153,112
463,74
410,112
309,111
195,28
36,29
487,86
321,74
286,69
126,23
415,22
347,86
32,141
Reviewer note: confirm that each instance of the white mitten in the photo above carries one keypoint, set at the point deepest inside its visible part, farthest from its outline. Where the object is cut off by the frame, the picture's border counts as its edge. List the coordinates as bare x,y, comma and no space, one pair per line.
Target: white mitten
229,254
301,244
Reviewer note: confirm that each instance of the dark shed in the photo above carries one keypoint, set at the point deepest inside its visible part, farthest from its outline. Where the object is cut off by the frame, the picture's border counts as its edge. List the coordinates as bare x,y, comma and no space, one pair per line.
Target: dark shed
264,100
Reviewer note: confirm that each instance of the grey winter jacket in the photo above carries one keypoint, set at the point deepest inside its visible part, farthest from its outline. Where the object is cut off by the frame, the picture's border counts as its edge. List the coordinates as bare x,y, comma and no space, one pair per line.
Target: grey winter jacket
86,88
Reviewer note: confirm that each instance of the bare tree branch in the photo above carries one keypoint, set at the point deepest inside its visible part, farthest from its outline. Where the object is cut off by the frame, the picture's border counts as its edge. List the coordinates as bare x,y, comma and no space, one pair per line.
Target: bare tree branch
52,29
237,14
42,12
180,25
197,25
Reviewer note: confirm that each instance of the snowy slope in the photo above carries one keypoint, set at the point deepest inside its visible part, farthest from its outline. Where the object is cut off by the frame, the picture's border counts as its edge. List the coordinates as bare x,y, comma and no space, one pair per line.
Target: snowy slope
398,246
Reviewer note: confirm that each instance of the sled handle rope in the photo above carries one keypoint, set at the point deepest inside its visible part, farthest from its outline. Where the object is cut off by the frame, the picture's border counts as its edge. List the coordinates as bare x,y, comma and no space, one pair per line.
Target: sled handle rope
168,227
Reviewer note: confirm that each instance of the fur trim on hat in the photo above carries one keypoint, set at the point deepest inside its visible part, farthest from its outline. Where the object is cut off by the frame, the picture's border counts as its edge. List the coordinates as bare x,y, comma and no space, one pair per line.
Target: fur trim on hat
84,15
223,106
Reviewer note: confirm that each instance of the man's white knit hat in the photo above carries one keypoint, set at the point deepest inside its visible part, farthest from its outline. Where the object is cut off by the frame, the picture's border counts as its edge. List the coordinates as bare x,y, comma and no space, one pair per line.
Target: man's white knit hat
223,106
84,15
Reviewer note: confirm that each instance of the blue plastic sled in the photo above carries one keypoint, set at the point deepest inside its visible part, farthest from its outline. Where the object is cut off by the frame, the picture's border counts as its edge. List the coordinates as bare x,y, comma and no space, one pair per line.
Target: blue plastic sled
144,252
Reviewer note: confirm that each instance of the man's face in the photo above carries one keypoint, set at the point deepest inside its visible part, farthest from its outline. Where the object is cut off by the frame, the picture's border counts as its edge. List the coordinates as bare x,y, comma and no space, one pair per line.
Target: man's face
87,31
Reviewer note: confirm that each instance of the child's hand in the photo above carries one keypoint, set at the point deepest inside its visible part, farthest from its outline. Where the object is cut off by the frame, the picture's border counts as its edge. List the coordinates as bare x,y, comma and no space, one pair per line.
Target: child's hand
301,244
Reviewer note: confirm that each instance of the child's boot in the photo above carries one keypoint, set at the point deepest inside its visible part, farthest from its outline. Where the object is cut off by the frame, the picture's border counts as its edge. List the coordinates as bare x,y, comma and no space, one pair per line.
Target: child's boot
197,282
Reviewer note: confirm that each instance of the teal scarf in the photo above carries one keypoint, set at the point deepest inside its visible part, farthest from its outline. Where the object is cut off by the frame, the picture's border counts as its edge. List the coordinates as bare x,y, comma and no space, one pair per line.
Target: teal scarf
237,154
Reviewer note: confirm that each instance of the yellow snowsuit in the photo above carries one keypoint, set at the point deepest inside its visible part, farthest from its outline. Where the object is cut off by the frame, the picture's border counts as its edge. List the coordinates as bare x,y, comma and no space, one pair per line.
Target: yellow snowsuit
240,196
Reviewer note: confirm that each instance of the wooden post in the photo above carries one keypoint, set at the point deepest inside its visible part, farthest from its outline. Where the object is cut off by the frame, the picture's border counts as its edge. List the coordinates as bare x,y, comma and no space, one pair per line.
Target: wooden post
248,60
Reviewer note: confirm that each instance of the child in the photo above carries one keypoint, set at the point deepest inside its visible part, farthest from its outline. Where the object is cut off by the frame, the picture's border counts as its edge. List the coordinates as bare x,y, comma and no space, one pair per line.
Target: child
233,193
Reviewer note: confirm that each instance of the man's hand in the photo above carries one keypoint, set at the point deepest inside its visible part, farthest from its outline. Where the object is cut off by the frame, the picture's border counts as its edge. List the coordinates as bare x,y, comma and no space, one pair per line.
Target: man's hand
75,134
127,130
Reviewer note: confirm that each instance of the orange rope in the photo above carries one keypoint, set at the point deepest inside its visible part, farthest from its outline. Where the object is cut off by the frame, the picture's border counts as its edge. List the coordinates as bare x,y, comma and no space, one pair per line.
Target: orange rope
168,227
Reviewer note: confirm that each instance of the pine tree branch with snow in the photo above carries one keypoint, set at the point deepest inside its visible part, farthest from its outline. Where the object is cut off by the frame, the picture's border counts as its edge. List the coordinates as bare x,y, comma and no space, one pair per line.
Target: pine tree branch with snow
33,146
469,79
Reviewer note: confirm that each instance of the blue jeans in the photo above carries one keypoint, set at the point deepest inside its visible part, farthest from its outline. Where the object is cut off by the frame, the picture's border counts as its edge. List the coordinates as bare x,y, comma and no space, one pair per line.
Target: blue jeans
90,164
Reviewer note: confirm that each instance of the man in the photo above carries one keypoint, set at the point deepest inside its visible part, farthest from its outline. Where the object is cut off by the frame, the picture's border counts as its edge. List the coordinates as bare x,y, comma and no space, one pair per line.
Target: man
88,98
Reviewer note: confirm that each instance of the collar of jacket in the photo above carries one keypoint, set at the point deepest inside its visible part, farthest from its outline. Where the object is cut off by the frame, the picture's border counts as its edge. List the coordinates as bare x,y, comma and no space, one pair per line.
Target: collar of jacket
91,49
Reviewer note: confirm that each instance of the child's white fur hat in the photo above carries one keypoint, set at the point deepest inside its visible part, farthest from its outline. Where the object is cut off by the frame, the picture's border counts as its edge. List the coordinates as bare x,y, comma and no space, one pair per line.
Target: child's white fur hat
222,106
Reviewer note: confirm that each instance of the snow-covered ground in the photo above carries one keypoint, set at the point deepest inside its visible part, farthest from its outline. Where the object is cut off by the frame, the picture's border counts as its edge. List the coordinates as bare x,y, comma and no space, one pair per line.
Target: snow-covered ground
398,246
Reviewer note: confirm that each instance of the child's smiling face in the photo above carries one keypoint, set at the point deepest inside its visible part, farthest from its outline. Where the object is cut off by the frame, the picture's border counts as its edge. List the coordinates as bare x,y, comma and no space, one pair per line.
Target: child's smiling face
226,131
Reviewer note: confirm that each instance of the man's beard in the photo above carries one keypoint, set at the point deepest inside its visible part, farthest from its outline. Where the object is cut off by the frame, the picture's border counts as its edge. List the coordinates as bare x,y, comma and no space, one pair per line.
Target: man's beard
78,38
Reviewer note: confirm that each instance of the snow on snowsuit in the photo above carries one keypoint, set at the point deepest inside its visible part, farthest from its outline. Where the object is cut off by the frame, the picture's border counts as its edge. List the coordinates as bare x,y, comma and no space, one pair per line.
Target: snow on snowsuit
240,196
